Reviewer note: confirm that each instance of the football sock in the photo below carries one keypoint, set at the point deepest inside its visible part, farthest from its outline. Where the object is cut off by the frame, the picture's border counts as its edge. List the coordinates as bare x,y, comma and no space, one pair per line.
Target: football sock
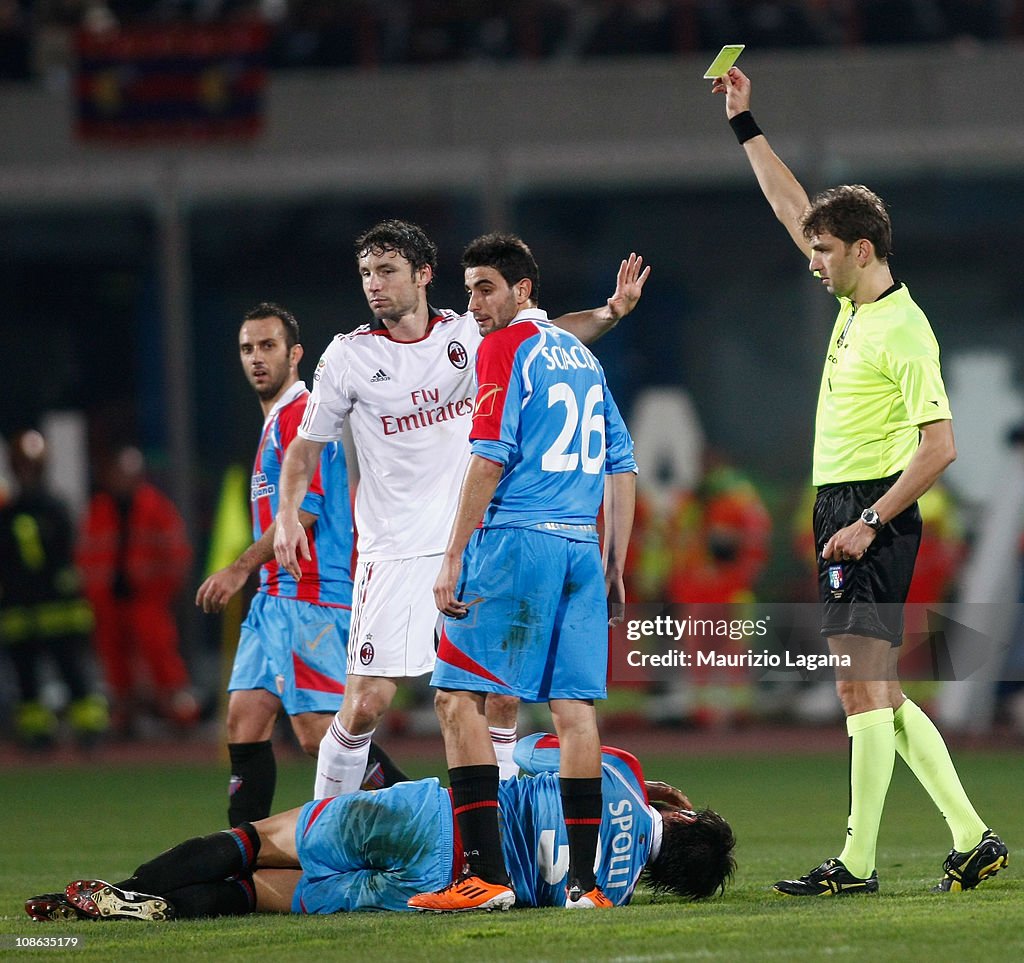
872,757
923,749
581,807
475,804
389,770
341,762
202,859
253,780
228,897
504,742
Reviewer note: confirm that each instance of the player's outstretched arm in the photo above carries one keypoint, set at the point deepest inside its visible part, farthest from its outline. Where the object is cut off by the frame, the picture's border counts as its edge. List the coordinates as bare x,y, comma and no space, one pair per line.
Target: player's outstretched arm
783,191
297,469
218,589
591,325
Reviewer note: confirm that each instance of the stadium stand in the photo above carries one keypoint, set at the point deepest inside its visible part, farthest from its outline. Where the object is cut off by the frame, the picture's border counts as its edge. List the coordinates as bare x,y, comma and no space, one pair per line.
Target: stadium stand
363,34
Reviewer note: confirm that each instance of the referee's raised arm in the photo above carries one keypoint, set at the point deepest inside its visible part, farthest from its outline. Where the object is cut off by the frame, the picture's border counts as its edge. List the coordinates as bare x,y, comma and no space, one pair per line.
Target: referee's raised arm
784,192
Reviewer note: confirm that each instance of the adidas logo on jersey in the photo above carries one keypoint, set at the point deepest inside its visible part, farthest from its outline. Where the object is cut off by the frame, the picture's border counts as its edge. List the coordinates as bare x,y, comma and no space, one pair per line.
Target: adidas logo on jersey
380,376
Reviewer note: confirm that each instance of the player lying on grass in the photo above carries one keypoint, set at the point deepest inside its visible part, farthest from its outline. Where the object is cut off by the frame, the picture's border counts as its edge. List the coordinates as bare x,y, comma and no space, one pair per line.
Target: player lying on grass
373,850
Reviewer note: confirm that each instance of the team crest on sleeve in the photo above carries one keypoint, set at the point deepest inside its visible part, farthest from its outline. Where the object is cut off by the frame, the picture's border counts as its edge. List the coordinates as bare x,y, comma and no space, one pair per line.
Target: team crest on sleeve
320,365
485,399
457,354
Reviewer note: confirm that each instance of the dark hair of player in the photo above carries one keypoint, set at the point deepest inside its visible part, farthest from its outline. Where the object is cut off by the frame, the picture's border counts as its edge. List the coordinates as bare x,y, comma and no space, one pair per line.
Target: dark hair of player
408,240
696,859
267,309
508,255
850,212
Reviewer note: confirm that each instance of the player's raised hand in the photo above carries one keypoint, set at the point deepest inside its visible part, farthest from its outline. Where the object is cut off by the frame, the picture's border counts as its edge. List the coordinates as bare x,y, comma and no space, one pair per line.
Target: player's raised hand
629,285
736,87
289,543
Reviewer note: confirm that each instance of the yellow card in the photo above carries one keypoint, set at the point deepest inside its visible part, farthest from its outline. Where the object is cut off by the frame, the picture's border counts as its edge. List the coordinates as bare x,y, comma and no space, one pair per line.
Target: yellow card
727,56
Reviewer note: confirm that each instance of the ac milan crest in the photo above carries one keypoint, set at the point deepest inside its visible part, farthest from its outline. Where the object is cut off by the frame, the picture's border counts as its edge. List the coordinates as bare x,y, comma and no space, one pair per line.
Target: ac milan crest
457,355
366,653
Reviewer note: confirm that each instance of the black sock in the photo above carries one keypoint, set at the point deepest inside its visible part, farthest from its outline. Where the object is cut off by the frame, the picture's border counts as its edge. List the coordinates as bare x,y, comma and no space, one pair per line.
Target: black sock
581,807
475,803
226,897
203,859
389,770
253,779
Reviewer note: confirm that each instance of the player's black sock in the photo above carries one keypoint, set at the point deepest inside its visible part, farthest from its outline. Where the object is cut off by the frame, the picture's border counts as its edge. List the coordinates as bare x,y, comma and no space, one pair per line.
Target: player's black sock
581,807
253,779
475,803
389,770
226,897
203,859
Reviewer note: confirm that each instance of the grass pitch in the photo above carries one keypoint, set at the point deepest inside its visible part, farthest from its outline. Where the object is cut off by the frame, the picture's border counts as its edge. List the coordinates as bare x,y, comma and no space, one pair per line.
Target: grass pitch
788,812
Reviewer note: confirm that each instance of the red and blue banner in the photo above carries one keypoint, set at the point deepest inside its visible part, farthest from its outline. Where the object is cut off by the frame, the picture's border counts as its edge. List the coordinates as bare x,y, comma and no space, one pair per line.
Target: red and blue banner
166,83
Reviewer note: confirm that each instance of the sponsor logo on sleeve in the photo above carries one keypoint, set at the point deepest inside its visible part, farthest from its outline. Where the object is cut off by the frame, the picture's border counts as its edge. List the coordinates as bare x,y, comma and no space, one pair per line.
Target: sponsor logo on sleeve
485,399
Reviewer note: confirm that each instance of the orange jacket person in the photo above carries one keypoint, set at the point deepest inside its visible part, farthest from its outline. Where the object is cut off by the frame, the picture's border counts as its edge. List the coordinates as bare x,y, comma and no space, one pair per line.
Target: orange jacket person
134,556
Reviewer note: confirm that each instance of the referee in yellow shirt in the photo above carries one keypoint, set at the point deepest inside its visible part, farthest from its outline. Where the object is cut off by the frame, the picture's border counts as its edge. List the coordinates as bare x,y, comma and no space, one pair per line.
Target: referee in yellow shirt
883,435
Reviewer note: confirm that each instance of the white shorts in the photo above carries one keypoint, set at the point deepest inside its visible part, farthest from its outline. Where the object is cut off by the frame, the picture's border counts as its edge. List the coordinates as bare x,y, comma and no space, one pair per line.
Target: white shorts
394,618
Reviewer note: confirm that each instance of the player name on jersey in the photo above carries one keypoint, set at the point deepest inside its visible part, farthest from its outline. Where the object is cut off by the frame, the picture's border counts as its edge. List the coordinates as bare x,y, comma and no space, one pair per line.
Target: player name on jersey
573,358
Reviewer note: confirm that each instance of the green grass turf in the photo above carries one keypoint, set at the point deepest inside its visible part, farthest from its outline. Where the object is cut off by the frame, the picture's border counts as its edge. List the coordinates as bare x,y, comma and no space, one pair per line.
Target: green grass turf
788,813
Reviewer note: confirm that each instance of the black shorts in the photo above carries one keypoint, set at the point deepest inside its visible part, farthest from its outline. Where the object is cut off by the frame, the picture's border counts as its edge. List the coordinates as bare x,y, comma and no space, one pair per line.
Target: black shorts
865,597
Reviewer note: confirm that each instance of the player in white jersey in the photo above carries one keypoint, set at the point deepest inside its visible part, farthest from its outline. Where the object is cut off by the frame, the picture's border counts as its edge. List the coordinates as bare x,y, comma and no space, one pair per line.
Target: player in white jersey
409,406
406,382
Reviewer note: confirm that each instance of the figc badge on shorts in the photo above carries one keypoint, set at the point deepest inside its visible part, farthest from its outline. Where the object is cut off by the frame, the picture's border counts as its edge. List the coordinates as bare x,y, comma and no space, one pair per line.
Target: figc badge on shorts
836,581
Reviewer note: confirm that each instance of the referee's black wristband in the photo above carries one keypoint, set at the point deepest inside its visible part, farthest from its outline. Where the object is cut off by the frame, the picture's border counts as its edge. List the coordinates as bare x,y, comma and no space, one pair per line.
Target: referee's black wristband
744,126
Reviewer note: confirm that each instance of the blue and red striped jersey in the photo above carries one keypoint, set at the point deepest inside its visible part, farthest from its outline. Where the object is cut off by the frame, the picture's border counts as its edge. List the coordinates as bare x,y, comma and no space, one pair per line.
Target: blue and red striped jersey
327,577
535,842
544,411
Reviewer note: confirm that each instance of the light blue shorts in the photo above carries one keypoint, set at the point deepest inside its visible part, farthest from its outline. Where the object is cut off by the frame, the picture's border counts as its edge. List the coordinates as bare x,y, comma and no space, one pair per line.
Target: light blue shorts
294,649
374,850
540,629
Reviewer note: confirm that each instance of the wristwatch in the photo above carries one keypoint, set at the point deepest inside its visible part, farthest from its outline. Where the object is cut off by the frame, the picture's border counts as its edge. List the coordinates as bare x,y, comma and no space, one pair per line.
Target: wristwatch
870,518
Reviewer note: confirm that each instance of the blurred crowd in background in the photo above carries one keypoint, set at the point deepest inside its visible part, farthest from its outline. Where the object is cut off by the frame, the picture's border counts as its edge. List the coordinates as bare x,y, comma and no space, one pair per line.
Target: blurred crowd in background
87,606
36,35
90,608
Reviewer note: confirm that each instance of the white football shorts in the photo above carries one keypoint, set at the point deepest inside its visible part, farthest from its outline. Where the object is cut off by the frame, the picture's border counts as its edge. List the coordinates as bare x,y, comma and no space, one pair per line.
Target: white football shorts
394,618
